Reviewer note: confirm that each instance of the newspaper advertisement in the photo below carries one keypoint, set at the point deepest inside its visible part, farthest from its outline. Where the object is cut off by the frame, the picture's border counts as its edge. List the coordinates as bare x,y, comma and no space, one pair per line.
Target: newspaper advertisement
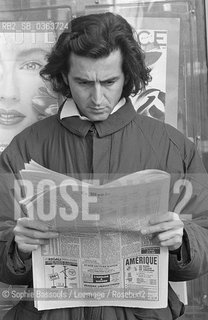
100,258
113,269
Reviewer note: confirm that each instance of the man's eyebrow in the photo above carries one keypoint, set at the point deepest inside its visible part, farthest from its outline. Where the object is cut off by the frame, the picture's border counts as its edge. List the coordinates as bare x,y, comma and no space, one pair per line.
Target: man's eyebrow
82,79
105,80
111,79
28,52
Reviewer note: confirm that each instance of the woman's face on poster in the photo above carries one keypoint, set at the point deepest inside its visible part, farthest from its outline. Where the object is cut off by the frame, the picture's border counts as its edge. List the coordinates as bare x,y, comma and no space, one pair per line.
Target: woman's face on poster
22,55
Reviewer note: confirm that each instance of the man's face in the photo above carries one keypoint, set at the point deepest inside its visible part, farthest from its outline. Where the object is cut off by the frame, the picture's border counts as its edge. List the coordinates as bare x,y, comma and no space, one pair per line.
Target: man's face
96,84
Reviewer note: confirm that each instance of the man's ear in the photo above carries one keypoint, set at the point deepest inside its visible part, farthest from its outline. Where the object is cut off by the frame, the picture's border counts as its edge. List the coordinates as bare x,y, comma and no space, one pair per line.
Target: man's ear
126,79
65,78
66,81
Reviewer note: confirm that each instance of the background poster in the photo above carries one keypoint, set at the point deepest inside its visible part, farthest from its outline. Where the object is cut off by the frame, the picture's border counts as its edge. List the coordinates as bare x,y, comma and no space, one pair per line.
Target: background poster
152,101
159,38
27,34
23,95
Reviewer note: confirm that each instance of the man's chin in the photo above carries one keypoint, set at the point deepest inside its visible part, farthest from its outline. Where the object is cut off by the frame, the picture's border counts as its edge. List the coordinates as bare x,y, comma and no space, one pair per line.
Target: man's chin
100,117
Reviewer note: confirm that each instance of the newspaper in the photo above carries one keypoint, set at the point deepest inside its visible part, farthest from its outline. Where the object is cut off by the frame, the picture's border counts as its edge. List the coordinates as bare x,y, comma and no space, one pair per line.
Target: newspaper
100,258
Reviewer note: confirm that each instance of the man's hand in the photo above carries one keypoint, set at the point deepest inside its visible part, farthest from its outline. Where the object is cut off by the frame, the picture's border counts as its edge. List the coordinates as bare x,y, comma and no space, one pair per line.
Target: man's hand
29,234
166,230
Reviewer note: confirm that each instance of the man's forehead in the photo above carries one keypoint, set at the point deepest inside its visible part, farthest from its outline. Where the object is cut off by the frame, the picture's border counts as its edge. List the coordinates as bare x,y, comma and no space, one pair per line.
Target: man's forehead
109,66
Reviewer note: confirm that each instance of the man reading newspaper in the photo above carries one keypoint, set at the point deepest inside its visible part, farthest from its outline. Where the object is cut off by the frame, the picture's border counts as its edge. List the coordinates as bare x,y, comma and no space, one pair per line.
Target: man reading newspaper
95,66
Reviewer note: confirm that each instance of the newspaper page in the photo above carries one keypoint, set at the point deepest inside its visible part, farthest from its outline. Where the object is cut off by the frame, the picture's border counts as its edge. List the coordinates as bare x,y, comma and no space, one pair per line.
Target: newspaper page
100,258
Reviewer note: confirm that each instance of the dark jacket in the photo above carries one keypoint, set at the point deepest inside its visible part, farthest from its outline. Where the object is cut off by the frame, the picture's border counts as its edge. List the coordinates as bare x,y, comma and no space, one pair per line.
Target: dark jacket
124,143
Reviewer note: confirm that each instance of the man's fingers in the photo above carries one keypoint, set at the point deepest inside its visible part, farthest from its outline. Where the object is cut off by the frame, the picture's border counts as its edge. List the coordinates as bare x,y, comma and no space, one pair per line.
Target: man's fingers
162,223
20,239
35,234
171,239
164,236
173,243
169,216
26,248
33,224
162,227
166,230
33,229
30,234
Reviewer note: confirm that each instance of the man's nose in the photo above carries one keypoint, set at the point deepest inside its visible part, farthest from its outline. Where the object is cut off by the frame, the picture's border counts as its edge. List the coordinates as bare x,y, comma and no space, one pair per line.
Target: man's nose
97,94
9,90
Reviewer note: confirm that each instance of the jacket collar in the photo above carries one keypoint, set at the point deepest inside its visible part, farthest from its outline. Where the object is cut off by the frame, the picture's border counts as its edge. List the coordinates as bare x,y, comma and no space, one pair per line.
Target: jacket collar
113,123
70,109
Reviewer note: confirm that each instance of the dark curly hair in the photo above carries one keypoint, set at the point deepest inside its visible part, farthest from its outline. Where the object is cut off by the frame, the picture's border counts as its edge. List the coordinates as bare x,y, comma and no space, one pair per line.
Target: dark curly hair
96,36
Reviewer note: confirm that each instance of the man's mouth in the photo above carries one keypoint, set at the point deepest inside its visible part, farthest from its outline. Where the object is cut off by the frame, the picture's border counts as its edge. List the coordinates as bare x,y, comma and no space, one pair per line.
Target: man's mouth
10,117
97,109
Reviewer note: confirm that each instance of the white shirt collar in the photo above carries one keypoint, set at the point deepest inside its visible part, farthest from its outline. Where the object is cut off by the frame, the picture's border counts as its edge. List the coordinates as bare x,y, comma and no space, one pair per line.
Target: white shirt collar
70,109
